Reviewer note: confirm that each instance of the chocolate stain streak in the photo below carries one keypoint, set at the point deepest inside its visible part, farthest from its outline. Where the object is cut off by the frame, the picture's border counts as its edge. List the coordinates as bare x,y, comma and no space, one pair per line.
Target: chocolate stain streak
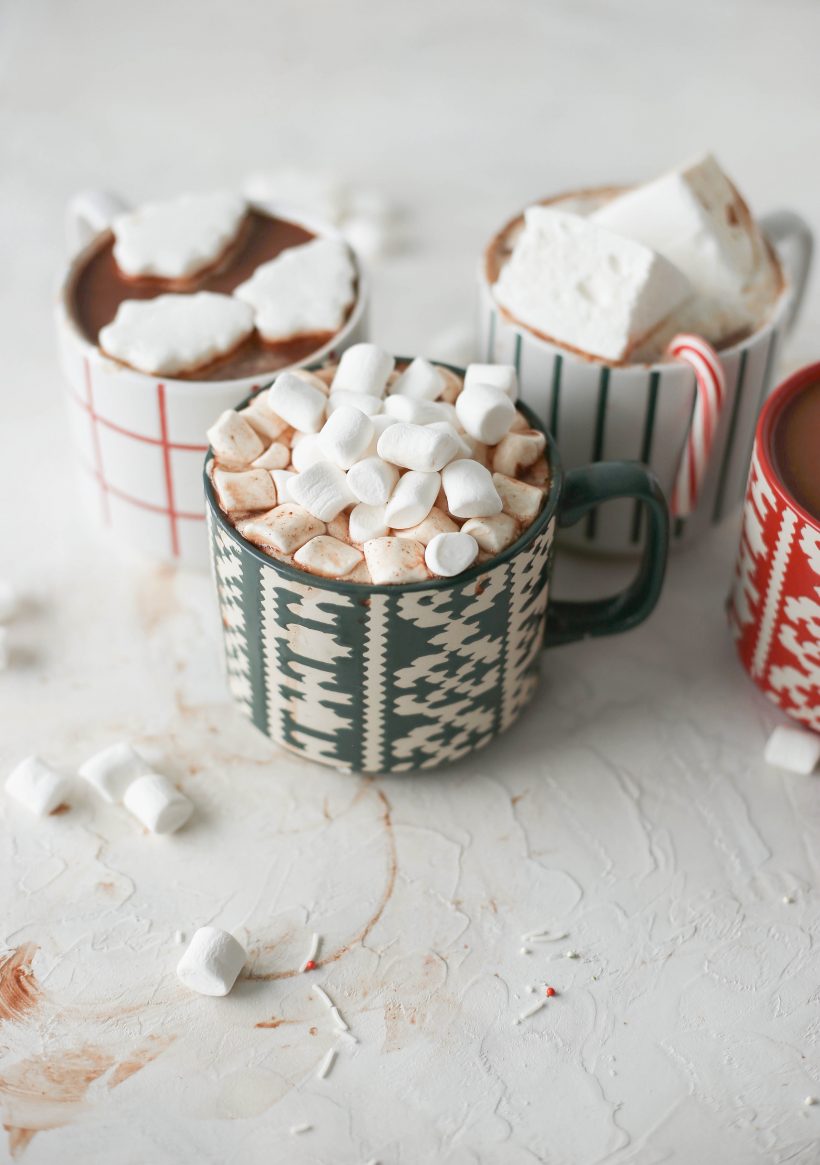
19,990
274,1022
387,893
152,1048
18,1139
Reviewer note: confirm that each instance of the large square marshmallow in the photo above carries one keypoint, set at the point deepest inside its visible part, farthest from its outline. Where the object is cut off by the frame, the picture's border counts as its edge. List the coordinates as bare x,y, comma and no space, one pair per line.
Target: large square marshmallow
587,287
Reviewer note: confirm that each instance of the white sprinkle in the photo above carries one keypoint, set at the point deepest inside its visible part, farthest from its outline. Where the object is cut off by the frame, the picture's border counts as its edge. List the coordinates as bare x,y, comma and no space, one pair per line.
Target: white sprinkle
295,1130
571,955
530,989
323,995
326,1064
810,1100
313,952
536,1007
337,1015
788,899
179,936
525,951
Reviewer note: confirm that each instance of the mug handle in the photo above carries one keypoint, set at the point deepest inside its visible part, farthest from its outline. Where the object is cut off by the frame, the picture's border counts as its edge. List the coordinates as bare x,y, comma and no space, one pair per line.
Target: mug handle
583,490
793,240
88,213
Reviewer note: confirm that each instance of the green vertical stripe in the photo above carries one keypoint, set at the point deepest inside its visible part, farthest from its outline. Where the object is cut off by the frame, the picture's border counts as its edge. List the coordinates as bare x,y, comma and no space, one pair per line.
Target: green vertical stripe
555,394
517,356
598,440
717,513
646,443
251,585
491,338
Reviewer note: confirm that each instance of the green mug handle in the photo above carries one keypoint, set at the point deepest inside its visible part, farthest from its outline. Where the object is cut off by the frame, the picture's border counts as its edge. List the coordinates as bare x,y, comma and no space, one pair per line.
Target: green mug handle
583,490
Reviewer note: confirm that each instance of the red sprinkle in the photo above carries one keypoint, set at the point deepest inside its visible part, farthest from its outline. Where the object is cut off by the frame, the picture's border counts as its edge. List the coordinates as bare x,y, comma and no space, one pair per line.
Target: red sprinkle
310,965
550,992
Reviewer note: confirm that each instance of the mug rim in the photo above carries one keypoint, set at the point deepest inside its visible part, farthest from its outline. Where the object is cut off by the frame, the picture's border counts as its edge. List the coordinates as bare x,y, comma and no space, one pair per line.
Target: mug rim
778,309
271,208
295,574
773,407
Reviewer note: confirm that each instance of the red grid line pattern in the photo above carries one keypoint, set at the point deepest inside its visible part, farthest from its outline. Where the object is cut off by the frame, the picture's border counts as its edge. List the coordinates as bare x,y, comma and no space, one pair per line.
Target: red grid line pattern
88,404
138,502
129,432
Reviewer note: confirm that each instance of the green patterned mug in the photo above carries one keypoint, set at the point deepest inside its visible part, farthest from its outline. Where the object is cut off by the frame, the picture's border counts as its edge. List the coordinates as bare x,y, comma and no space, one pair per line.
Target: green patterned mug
388,679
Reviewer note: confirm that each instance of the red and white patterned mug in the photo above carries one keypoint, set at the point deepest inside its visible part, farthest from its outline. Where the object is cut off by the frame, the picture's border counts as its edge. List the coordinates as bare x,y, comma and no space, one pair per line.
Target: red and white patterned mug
774,606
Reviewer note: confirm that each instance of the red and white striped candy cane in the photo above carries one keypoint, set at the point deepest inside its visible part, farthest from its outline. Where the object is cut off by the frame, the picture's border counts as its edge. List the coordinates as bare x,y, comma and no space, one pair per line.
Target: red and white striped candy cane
711,395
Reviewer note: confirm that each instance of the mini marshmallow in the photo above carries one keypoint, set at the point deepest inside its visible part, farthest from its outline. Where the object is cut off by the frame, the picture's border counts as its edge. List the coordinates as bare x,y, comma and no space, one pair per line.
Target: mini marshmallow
312,378
793,749
233,441
339,527
176,333
301,404
346,436
436,522
367,522
37,786
469,489
322,490
412,499
520,500
416,412
155,802
450,554
420,380
8,601
493,533
584,286
372,480
265,423
111,771
464,446
485,413
251,489
304,289
395,560
276,456
363,401
417,446
500,376
518,451
281,478
178,238
285,528
306,450
327,557
363,368
212,962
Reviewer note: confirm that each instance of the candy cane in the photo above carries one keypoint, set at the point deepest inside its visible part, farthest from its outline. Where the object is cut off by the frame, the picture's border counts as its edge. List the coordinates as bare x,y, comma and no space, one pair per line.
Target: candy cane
710,387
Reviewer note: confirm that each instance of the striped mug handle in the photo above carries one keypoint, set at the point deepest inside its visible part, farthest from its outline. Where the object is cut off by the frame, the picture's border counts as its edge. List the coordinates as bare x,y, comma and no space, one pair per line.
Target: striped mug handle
710,397
583,490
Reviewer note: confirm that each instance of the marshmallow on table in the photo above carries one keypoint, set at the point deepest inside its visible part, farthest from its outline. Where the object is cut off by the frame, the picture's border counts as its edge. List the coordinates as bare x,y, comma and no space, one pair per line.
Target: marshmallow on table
500,376
518,498
367,522
234,441
285,528
346,436
37,786
436,522
363,401
485,413
795,749
276,456
306,450
328,557
417,447
176,333
155,802
322,490
296,401
412,499
372,480
395,560
178,238
420,380
518,451
417,412
212,962
450,554
584,286
306,288
493,533
470,490
112,770
363,368
250,489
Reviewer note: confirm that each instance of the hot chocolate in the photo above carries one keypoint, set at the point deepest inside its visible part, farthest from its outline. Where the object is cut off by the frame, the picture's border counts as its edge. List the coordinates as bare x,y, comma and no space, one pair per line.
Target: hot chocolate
795,448
99,287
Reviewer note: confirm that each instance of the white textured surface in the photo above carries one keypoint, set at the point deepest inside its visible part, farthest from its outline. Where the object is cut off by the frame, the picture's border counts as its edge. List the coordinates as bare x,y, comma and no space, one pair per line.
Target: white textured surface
631,808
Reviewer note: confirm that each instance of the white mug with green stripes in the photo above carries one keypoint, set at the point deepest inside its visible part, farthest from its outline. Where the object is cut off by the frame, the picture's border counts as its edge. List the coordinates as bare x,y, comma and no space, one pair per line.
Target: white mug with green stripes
644,412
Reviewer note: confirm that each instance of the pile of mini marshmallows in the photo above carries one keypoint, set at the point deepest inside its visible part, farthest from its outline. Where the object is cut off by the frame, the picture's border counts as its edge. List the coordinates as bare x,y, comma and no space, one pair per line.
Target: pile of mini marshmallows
305,289
380,476
118,774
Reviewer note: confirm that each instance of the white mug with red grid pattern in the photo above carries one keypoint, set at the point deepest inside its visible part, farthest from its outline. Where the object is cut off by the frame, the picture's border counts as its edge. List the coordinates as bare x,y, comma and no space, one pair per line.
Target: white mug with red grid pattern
139,439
